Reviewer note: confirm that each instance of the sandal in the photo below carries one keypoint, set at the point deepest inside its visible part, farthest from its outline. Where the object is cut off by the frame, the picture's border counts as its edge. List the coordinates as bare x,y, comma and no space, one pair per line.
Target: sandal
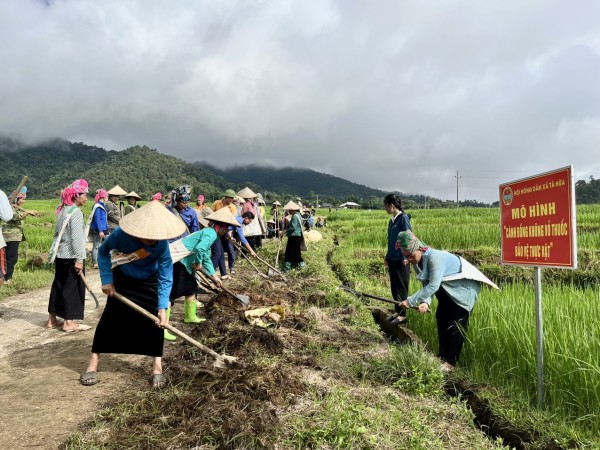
158,381
88,378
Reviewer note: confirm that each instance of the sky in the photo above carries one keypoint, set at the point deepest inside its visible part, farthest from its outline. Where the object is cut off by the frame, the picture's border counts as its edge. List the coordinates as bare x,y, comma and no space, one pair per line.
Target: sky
396,95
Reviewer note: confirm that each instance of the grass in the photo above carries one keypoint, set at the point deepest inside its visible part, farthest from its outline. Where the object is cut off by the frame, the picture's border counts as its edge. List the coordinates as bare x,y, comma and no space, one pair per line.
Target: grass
376,395
501,339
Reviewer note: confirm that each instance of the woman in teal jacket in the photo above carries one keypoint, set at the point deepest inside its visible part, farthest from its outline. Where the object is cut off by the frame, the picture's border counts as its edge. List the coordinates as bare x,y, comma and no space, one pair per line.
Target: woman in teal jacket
456,284
293,253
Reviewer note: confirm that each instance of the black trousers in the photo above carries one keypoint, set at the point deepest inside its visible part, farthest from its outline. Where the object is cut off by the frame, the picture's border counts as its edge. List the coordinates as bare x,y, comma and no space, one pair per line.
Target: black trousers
399,278
452,324
12,256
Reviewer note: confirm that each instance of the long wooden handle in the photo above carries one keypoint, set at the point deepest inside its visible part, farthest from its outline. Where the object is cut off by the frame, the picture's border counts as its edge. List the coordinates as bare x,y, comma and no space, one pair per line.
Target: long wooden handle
14,194
169,327
246,257
269,265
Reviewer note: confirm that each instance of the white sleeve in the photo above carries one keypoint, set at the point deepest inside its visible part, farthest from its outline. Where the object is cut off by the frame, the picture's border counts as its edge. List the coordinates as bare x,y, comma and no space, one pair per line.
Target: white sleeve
6,212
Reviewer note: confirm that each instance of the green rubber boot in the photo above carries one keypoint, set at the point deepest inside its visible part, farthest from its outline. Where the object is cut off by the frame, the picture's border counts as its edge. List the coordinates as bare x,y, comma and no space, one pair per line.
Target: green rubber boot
189,307
169,336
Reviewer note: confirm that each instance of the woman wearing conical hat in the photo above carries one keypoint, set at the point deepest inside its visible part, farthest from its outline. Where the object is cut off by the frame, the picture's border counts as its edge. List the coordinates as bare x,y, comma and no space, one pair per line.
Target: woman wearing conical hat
135,261
132,199
193,252
293,254
113,211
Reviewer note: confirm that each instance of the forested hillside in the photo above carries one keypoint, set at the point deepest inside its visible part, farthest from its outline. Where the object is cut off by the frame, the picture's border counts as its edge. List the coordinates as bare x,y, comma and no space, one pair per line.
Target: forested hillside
144,170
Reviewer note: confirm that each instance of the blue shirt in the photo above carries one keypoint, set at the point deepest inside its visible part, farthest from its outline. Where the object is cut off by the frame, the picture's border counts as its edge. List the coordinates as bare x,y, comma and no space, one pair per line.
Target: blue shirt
99,222
240,230
199,243
158,262
438,264
397,224
189,217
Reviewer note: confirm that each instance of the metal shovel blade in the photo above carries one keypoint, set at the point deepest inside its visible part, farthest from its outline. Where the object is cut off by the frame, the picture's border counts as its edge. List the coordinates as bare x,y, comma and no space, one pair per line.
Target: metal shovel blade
243,299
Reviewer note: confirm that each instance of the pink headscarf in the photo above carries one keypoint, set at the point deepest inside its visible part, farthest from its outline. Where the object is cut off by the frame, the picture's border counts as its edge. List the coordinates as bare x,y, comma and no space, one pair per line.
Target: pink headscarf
201,198
100,193
157,197
72,191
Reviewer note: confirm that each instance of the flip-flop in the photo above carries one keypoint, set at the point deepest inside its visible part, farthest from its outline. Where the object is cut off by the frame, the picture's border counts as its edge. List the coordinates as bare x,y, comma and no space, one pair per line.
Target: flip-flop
55,326
88,378
158,381
81,327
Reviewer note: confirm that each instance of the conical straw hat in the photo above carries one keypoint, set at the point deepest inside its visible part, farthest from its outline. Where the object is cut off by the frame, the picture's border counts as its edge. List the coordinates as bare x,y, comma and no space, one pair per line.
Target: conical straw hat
223,215
292,206
152,221
276,203
117,190
203,222
247,193
134,195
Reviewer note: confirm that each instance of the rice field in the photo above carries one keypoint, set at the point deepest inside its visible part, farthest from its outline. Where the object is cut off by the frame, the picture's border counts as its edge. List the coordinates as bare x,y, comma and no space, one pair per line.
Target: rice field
501,339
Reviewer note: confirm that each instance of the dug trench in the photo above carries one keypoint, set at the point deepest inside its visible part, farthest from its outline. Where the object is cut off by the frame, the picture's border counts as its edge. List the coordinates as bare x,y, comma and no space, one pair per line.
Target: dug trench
485,417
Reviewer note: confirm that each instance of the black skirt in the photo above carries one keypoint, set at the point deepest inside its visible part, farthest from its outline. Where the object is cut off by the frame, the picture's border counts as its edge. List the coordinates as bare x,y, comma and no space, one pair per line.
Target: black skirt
184,283
292,250
124,330
67,296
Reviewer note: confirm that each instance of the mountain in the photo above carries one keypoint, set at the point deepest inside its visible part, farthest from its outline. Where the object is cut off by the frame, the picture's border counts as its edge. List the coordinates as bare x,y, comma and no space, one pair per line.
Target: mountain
304,183
52,164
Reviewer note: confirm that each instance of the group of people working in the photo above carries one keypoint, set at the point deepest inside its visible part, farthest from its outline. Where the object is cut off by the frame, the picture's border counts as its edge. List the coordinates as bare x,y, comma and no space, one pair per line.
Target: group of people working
151,255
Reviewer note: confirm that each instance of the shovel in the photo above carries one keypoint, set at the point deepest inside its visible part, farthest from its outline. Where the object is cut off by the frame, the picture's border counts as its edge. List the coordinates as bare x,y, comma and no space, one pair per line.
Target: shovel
221,361
364,294
243,299
87,286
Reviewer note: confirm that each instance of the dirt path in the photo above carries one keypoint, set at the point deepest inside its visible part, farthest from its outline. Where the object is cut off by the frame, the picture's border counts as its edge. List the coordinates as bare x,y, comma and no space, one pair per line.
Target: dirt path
41,400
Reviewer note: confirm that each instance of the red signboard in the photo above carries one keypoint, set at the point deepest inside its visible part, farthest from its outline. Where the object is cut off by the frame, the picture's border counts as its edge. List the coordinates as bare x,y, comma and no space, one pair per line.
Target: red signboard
537,220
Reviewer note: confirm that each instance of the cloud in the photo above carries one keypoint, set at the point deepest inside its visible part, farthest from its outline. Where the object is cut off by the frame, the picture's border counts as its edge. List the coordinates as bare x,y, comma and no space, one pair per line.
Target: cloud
396,95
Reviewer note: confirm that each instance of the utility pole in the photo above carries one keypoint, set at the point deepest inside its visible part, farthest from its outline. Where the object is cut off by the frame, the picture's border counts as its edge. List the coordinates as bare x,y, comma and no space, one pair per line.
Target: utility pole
457,178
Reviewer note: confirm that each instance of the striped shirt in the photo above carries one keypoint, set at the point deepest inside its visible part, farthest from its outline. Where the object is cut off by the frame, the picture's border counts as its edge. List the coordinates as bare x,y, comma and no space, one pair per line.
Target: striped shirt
72,243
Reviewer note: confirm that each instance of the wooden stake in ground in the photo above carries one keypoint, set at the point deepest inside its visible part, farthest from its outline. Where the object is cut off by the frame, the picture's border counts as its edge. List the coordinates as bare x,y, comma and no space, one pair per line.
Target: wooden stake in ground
221,361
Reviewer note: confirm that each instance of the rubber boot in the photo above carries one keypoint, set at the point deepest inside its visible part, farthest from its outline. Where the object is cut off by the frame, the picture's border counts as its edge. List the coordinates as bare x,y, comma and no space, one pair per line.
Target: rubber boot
169,336
189,307
287,266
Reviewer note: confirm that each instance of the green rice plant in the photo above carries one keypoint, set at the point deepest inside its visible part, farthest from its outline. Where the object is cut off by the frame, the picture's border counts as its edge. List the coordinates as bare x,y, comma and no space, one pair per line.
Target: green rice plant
500,347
